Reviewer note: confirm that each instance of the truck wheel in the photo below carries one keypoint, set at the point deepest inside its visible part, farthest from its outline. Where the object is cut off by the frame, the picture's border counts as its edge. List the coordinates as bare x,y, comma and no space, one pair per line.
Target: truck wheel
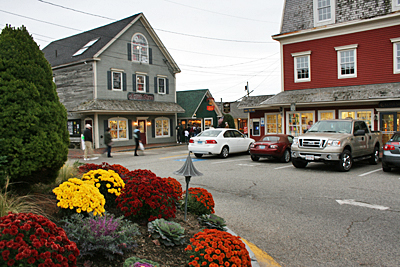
286,156
197,155
375,156
254,158
299,163
345,162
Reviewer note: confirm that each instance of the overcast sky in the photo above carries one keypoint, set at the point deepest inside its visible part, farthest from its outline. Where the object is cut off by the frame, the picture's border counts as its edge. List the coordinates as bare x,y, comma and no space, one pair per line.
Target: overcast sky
218,44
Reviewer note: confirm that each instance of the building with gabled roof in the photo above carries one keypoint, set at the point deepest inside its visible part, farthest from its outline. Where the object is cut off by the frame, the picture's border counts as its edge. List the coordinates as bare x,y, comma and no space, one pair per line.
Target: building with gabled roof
200,109
121,76
339,59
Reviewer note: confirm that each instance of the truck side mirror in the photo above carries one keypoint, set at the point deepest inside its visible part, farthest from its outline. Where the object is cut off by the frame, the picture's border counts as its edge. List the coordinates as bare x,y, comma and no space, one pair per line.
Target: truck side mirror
359,132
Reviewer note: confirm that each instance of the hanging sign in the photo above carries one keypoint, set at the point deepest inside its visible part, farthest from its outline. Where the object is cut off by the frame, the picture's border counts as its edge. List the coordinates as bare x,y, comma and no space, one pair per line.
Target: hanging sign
210,108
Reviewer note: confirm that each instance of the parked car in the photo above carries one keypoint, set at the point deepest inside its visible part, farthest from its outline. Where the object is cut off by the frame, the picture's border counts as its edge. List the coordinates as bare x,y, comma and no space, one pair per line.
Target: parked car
275,146
391,153
219,141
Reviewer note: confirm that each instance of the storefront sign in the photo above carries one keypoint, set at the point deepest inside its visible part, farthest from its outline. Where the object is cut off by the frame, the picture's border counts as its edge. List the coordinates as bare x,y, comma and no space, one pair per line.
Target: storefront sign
389,104
210,108
138,96
247,110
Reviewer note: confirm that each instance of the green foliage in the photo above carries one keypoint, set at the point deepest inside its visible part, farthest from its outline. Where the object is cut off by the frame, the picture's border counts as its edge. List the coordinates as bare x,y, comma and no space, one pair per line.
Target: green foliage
132,260
212,221
169,233
3,161
32,119
229,119
105,235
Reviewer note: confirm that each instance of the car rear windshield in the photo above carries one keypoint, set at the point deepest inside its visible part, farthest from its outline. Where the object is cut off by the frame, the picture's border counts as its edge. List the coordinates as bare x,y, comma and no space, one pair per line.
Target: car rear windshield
395,137
210,133
271,139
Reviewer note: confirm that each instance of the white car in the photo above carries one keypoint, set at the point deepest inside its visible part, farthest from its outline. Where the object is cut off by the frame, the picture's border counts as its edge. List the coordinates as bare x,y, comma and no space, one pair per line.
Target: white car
219,141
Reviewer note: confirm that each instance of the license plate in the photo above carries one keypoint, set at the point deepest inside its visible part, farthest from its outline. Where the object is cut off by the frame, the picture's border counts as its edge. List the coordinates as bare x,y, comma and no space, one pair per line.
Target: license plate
309,157
199,142
262,147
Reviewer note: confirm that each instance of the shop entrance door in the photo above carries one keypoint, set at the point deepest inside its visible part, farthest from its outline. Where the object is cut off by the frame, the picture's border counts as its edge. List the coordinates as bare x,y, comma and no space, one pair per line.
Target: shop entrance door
142,128
389,124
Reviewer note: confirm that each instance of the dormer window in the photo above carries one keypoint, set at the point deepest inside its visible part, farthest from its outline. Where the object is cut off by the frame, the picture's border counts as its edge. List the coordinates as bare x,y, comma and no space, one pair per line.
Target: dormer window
140,48
324,12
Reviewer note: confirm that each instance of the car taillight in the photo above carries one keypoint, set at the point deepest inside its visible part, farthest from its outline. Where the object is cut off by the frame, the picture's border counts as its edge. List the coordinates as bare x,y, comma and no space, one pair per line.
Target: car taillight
191,141
388,147
273,146
211,142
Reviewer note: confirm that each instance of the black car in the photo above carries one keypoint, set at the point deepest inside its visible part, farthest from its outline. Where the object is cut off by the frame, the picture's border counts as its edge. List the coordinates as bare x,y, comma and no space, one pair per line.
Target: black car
391,153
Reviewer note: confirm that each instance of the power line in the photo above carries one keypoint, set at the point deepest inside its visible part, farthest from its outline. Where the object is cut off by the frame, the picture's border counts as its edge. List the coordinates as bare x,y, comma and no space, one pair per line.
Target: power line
218,13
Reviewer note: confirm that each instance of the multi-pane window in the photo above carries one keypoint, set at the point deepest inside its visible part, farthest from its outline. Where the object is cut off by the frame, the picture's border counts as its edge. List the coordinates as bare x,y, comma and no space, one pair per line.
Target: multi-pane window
347,61
161,85
302,66
116,80
162,127
140,48
299,122
396,54
365,115
326,115
273,123
324,9
141,83
119,128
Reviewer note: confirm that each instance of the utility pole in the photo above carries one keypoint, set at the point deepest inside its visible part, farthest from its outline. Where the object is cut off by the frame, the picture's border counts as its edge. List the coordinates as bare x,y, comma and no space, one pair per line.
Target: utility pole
246,88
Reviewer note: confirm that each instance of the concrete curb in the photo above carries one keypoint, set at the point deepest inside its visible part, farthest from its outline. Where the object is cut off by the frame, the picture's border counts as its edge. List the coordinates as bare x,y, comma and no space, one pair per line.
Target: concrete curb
254,262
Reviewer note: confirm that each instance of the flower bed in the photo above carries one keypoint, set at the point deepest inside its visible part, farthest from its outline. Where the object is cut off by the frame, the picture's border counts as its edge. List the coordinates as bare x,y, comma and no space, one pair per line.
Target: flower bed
33,240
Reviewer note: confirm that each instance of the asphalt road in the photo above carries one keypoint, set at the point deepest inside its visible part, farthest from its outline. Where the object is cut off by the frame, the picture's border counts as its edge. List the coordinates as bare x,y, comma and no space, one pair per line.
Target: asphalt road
301,217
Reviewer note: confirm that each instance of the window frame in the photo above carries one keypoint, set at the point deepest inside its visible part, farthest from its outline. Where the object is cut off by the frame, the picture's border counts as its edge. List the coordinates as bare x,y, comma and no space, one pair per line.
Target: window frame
326,111
118,119
396,55
395,5
356,111
138,46
121,80
162,127
331,20
144,82
300,126
340,50
278,123
158,85
259,127
296,56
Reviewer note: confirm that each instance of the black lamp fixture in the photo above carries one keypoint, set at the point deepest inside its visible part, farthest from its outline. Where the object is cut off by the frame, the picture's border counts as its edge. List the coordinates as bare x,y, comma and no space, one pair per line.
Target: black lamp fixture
188,170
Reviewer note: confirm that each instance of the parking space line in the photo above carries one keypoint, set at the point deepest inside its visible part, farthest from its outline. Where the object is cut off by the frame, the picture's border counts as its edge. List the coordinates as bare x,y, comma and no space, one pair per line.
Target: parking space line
176,156
288,166
225,161
370,172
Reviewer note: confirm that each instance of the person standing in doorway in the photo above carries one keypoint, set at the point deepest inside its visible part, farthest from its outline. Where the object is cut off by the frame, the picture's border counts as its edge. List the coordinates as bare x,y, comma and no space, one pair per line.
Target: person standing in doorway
87,134
136,135
108,141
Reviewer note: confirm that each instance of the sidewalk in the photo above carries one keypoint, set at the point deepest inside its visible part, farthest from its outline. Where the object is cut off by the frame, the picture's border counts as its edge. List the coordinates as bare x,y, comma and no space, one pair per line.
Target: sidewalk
78,153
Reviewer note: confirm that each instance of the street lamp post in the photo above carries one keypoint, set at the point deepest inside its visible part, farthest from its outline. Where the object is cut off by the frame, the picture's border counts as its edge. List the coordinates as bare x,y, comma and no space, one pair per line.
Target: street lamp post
188,170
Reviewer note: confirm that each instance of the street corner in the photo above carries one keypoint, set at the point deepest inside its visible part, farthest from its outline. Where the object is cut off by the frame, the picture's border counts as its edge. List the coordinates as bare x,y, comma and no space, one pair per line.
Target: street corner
263,259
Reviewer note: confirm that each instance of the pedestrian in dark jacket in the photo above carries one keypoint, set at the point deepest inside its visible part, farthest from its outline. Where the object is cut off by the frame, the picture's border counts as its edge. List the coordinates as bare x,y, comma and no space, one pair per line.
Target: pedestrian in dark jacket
108,142
87,134
136,135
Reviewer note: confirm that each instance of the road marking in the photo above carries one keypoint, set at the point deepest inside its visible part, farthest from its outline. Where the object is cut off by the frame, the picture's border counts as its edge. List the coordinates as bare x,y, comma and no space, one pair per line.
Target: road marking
225,161
176,156
192,159
250,165
361,204
369,172
263,259
288,166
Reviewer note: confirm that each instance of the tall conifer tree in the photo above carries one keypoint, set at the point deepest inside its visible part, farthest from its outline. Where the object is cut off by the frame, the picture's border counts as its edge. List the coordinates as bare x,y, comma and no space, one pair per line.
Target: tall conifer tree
32,119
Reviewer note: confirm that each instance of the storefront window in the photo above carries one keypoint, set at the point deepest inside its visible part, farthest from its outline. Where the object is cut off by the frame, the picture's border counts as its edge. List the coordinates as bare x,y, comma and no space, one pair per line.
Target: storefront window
162,127
326,115
74,127
274,123
119,128
208,123
365,115
299,122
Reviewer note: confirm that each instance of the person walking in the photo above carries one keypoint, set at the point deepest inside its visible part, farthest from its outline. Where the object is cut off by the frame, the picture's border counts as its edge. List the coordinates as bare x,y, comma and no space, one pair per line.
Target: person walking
186,135
108,141
87,134
136,135
179,133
